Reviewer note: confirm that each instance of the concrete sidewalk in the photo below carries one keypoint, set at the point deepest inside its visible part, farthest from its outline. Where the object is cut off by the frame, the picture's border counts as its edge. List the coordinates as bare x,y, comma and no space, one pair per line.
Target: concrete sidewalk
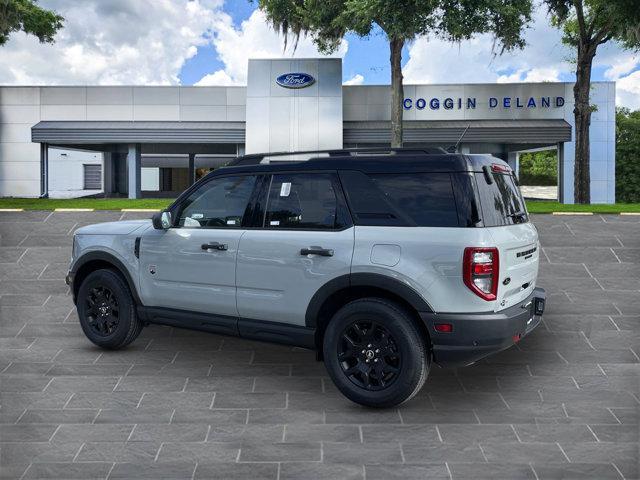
564,403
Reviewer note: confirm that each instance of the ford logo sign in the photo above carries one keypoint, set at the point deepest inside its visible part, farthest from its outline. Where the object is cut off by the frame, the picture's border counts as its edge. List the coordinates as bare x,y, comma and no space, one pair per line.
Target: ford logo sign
295,80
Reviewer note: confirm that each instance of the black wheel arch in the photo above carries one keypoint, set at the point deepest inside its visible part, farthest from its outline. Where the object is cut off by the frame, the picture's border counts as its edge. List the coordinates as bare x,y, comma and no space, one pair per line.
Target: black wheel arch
92,261
341,290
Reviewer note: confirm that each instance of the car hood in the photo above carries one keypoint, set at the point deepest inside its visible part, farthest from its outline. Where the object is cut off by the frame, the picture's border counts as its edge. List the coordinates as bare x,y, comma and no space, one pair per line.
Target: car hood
123,227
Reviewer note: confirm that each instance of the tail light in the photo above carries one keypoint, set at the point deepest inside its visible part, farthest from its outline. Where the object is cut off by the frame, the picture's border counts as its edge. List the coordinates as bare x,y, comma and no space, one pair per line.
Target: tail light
499,168
480,271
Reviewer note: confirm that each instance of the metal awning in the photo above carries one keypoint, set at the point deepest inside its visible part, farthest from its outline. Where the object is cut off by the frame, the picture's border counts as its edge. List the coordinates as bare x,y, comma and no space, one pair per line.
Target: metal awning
449,131
73,132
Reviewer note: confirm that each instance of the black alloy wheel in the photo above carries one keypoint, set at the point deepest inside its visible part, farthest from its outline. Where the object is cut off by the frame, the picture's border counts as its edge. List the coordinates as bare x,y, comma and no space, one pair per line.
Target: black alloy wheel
107,310
375,353
103,314
369,355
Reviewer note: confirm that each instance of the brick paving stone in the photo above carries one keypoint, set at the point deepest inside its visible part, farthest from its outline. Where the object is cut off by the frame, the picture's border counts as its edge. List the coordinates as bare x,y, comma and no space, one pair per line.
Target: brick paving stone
563,404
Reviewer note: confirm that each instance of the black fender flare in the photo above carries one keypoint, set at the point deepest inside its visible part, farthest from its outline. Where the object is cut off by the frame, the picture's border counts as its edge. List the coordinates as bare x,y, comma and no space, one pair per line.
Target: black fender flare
377,280
107,258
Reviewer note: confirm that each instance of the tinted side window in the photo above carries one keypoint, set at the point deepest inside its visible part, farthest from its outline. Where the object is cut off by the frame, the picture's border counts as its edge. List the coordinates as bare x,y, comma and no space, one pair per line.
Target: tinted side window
426,198
501,200
464,189
219,203
305,201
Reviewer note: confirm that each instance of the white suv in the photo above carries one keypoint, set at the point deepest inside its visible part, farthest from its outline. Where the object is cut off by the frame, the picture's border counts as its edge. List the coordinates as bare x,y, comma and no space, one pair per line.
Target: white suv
382,263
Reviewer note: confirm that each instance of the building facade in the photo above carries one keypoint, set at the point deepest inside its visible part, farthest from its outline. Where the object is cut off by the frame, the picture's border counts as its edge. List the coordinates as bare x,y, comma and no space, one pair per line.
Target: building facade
155,141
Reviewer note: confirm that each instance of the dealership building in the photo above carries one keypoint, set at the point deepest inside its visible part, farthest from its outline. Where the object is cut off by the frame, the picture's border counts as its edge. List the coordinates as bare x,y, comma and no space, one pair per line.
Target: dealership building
155,141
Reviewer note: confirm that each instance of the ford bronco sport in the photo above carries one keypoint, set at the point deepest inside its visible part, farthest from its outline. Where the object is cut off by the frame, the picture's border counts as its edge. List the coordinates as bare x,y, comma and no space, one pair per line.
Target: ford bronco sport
382,263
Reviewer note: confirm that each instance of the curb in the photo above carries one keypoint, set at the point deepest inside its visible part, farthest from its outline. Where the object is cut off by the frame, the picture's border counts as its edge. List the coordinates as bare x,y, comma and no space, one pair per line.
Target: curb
73,209
571,213
11,209
139,210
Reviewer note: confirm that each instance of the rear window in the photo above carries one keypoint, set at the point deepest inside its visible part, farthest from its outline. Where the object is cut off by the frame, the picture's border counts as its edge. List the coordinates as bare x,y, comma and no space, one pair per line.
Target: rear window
401,199
501,201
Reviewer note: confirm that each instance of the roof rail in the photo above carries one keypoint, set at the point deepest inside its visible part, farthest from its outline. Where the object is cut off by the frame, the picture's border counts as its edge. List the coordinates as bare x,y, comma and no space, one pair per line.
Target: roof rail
257,158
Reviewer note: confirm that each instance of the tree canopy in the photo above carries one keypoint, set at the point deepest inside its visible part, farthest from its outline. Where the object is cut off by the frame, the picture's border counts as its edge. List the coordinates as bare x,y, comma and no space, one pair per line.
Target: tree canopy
328,21
27,16
587,24
594,22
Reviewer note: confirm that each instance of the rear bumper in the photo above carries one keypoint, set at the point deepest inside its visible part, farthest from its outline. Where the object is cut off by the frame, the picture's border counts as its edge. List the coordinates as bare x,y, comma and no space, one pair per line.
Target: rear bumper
477,335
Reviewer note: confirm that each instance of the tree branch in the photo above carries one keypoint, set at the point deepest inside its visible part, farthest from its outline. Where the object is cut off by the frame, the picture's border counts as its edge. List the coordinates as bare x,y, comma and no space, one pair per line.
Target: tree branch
580,14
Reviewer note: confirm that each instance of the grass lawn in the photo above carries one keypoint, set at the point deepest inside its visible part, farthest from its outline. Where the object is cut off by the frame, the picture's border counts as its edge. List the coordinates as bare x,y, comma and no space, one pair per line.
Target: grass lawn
95,203
160,203
549,207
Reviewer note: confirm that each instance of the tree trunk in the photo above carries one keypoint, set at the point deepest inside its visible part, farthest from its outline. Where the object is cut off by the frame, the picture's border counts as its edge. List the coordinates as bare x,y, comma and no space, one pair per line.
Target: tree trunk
397,90
582,115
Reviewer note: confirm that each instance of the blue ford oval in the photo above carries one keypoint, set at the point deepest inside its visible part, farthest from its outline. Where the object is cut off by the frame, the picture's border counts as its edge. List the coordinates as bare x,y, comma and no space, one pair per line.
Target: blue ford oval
295,80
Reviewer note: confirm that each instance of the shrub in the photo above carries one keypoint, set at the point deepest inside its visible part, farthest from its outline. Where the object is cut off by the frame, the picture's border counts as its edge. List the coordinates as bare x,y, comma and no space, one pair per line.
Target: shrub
627,156
539,168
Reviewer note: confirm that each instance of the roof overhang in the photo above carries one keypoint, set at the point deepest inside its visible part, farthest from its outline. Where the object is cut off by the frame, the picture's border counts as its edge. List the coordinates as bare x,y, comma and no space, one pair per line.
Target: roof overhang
449,131
59,132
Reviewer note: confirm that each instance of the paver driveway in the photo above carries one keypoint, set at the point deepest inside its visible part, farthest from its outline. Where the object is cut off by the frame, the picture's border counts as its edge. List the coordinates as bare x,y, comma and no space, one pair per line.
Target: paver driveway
564,403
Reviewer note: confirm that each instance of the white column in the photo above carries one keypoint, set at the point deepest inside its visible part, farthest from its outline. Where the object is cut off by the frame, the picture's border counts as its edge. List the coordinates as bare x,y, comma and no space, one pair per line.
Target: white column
133,170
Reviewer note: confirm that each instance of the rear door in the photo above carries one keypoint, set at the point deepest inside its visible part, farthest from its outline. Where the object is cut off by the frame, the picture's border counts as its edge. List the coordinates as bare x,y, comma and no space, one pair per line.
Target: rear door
504,213
304,239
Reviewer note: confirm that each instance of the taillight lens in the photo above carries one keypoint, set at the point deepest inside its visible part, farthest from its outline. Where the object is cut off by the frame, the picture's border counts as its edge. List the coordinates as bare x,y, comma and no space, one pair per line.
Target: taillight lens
499,168
480,271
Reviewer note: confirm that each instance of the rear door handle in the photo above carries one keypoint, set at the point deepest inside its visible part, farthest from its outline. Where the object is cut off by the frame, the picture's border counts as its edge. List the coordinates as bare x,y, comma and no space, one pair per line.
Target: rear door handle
323,252
215,246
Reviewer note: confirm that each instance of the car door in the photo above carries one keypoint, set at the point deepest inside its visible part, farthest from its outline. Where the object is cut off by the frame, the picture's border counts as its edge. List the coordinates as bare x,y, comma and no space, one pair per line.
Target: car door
191,266
305,239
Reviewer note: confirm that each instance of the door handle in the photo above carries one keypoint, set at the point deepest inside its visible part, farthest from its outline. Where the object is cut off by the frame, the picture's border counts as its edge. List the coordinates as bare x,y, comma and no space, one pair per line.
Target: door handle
323,252
215,246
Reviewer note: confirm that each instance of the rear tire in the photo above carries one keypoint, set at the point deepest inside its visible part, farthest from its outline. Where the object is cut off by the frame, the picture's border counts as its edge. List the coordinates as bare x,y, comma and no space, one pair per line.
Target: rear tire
107,311
375,354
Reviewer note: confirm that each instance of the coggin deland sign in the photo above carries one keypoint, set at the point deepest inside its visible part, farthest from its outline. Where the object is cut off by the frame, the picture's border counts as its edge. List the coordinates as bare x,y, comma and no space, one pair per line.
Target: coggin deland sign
302,80
469,103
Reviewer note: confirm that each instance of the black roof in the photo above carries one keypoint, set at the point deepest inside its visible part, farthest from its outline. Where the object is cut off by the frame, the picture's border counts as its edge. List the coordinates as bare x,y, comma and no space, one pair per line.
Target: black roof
401,160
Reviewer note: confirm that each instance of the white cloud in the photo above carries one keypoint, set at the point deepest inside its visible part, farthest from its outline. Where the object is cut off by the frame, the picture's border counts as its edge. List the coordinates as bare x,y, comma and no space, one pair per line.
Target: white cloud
219,77
531,75
357,79
545,58
253,39
114,42
622,65
628,91
436,61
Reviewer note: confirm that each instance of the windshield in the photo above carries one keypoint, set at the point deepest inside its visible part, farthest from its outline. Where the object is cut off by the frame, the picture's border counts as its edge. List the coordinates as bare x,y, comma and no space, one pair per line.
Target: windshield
501,200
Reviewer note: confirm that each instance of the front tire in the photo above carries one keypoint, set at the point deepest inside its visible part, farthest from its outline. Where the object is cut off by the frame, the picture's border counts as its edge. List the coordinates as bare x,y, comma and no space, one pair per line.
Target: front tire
375,354
106,310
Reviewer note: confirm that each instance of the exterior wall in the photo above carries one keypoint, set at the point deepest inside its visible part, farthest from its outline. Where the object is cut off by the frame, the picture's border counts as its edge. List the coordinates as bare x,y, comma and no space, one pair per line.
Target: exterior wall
23,107
68,174
19,158
285,119
371,103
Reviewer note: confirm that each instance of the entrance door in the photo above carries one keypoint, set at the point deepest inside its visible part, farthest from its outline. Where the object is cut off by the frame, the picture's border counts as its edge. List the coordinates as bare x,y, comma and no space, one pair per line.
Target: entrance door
192,265
305,241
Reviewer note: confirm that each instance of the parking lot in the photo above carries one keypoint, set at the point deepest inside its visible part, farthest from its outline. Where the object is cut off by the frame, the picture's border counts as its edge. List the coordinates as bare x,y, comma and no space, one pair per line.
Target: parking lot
564,403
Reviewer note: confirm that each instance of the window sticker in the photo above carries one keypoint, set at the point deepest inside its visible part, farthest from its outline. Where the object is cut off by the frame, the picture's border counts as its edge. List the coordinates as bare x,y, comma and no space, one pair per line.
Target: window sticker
231,222
196,216
191,223
274,223
285,189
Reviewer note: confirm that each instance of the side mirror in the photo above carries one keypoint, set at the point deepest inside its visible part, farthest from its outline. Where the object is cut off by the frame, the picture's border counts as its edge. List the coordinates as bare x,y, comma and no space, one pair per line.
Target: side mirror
161,220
